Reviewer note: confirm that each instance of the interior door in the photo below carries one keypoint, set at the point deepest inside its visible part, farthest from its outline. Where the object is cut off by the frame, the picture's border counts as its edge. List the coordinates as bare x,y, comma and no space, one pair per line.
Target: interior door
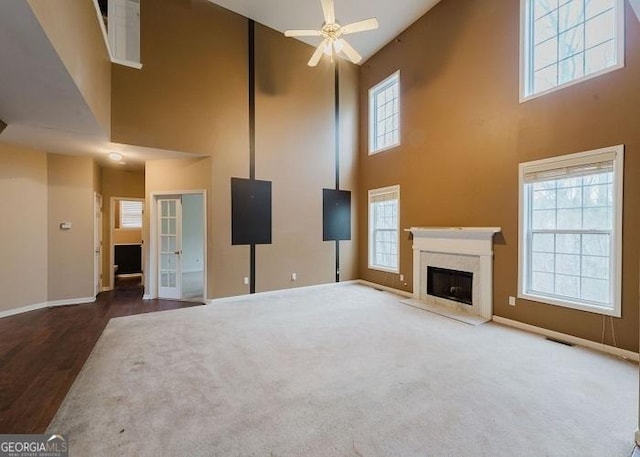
97,241
170,247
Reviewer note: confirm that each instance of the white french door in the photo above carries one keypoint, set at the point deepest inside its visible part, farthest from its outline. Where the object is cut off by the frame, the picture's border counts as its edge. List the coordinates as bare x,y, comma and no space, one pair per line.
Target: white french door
170,247
97,243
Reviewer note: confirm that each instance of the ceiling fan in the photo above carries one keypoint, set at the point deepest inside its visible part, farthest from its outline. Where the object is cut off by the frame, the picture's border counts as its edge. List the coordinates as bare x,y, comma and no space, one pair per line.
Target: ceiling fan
332,32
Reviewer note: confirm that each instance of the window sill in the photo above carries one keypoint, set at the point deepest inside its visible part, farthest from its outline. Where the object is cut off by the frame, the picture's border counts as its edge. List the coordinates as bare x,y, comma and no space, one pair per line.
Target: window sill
384,270
572,305
377,151
127,63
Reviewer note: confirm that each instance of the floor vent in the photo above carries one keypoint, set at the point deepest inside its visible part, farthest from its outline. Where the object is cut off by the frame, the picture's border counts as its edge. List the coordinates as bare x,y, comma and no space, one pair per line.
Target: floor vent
559,341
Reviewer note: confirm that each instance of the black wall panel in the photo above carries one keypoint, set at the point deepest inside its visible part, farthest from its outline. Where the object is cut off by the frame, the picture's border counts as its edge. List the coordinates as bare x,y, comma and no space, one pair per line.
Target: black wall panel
250,211
336,215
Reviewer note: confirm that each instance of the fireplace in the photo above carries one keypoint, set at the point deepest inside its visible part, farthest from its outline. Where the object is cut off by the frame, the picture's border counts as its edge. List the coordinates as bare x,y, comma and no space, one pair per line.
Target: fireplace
450,284
465,251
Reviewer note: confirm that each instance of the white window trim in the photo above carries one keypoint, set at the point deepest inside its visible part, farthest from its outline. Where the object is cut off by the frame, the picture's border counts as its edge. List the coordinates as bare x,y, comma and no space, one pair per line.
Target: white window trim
524,53
126,63
616,253
372,193
372,130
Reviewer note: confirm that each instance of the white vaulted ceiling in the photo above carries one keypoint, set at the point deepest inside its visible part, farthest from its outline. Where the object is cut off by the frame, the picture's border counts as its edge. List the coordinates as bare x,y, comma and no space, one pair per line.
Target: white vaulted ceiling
394,17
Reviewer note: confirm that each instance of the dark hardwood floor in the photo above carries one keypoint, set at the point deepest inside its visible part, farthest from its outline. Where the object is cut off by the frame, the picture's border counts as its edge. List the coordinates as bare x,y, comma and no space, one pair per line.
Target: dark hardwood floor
42,352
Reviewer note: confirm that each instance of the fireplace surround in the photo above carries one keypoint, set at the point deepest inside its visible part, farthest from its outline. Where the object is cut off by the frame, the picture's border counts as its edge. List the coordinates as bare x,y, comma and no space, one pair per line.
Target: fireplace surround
465,249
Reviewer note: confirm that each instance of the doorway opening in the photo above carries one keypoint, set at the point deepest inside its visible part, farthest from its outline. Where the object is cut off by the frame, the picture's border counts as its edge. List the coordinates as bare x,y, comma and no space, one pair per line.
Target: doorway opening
178,267
126,251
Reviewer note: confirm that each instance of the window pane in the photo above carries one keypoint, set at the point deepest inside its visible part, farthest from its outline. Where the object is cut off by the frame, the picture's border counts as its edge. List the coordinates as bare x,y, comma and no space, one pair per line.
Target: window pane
568,264
545,54
571,42
544,199
595,267
600,57
571,14
596,244
543,242
598,6
571,68
545,27
598,195
569,219
542,282
598,219
568,243
570,197
543,219
568,286
546,78
600,29
542,7
542,262
596,290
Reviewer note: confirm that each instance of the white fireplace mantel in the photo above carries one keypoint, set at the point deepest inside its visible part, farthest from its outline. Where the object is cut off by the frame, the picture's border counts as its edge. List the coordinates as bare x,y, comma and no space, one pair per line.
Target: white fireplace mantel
465,241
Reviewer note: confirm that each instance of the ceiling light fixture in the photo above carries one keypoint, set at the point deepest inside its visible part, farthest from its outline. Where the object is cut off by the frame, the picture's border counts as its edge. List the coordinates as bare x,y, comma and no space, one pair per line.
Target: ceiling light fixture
332,33
115,156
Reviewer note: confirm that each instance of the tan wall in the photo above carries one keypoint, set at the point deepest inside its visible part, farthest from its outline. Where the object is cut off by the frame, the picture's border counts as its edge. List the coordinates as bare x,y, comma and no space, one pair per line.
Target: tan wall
464,133
203,108
23,186
191,92
295,150
117,183
70,199
73,28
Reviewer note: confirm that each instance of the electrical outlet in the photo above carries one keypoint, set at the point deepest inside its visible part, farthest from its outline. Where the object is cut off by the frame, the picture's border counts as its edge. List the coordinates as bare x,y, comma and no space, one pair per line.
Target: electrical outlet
294,277
401,278
246,280
512,301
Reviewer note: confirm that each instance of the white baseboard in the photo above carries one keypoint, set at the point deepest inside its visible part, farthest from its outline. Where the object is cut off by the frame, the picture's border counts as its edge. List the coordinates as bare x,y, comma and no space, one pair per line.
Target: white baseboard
147,297
404,293
216,301
629,355
129,275
23,309
48,304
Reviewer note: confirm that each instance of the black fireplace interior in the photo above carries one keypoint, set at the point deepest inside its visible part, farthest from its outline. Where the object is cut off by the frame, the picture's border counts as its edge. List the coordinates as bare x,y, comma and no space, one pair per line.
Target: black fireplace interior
450,284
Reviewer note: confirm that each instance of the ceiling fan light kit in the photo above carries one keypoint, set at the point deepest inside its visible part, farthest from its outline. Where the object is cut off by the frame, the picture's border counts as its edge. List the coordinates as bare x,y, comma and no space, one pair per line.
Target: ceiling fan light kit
332,33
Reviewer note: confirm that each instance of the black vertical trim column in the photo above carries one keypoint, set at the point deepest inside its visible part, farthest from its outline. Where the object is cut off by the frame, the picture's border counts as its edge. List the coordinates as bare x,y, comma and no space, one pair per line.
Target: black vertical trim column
252,100
252,138
336,91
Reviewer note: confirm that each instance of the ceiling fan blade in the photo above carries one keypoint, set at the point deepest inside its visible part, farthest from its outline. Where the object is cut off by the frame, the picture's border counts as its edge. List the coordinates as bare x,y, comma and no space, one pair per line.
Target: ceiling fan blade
315,58
329,12
351,53
290,33
360,26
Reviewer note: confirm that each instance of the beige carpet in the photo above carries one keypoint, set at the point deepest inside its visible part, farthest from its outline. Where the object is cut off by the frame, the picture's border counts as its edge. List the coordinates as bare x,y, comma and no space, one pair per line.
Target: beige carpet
342,371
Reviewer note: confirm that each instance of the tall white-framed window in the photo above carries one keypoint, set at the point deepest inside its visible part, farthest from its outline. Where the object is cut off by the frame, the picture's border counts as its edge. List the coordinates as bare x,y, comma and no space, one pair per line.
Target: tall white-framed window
563,42
384,114
570,230
384,229
131,214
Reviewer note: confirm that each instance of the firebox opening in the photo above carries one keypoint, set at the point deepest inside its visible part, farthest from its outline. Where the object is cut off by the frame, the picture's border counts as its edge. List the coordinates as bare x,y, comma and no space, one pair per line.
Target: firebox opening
450,284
